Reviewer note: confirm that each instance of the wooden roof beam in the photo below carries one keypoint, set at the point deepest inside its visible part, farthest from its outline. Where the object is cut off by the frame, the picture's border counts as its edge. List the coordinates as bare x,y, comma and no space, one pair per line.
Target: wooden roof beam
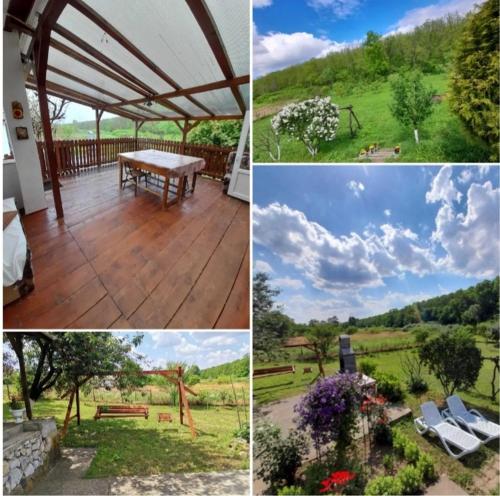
209,28
224,83
94,52
100,21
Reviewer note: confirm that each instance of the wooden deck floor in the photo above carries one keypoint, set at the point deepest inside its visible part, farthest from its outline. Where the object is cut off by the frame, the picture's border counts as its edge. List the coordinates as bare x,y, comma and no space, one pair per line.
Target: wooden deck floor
119,261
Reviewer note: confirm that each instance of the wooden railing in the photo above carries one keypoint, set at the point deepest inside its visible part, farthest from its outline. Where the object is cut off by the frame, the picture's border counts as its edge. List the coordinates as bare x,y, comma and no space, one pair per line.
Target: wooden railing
74,156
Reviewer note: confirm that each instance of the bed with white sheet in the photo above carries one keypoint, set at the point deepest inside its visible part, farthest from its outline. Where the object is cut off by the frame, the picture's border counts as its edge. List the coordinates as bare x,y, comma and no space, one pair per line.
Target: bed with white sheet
17,271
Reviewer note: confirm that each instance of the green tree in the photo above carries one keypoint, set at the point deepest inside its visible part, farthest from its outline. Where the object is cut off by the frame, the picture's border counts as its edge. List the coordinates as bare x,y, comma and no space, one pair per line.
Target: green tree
221,133
322,335
412,101
454,359
376,58
472,315
475,80
263,294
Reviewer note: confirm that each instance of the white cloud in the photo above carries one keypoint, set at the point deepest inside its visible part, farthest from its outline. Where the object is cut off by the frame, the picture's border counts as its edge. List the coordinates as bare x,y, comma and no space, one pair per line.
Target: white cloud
217,357
471,239
262,266
257,4
356,187
220,340
387,212
274,51
443,188
163,339
333,262
287,282
340,8
418,16
345,305
465,176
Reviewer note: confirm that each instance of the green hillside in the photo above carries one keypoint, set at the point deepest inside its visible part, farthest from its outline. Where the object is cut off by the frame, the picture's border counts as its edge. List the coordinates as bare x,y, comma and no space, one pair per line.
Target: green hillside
363,76
236,368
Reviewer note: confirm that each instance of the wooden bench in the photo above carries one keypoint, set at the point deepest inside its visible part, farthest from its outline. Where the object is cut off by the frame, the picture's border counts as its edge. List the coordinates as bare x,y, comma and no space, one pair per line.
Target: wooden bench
110,411
284,369
165,417
308,370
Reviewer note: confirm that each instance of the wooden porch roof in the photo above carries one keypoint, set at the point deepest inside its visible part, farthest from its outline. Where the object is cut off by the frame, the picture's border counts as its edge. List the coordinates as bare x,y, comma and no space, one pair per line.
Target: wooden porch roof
147,61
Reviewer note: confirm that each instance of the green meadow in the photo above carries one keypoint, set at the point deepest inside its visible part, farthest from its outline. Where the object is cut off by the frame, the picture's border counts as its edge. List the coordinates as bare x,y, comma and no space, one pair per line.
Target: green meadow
443,137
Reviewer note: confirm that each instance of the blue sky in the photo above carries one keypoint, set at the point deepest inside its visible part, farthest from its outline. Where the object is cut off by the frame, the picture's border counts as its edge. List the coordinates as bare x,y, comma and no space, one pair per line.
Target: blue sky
362,240
288,32
204,349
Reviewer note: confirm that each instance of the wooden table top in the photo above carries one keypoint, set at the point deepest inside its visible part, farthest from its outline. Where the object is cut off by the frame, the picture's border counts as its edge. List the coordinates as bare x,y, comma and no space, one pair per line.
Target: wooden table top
165,163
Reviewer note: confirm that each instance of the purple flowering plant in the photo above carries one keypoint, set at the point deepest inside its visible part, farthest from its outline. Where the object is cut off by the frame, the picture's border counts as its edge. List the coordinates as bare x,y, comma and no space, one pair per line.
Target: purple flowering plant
330,410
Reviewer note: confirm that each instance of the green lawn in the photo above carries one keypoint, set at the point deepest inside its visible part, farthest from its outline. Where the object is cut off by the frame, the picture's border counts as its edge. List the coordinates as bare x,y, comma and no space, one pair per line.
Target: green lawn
135,446
273,388
443,136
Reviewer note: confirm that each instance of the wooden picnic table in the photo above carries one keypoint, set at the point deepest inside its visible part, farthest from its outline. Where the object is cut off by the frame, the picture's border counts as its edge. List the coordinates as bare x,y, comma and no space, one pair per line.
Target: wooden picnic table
168,165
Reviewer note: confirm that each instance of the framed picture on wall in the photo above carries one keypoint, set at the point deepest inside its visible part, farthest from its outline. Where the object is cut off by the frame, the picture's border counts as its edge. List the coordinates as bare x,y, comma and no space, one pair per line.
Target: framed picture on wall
22,133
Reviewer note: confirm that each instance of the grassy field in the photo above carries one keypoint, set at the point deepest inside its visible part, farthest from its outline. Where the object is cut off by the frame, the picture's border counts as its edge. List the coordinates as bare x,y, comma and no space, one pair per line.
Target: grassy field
135,446
273,388
443,136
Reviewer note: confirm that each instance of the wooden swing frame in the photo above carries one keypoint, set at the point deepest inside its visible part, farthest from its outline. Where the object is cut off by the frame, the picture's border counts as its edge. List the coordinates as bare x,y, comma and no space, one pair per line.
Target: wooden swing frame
175,376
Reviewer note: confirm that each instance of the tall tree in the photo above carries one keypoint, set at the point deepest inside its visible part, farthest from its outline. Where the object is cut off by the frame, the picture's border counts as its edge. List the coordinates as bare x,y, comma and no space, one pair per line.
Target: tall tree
321,336
57,112
475,82
263,294
376,58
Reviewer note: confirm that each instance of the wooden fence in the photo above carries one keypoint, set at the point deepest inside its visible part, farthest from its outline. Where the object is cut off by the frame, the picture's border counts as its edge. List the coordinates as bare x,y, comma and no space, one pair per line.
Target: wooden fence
74,156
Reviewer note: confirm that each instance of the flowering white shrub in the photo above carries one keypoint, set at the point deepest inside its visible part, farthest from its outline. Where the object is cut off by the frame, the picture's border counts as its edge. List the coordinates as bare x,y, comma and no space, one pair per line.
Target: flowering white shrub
310,121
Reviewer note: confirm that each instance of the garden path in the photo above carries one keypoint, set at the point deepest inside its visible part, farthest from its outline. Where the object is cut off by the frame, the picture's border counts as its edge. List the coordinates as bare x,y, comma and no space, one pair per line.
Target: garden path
67,477
444,486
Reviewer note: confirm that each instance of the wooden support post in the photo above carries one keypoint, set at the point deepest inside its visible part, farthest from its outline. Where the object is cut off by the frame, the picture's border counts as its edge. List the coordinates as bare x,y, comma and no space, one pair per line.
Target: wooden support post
41,54
77,392
179,379
185,131
185,402
68,414
98,115
138,126
49,146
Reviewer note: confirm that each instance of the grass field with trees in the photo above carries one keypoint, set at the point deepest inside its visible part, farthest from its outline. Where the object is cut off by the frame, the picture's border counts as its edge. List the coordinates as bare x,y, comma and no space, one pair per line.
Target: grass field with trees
462,122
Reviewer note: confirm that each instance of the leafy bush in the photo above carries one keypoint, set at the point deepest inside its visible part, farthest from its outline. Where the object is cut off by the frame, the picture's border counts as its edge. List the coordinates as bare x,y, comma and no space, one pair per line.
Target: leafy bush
310,121
421,335
367,367
410,480
244,432
383,485
411,451
389,387
290,491
388,463
426,467
399,441
279,457
382,433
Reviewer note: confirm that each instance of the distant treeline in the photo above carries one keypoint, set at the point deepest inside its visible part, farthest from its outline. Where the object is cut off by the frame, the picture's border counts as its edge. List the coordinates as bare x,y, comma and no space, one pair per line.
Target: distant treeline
466,306
236,368
429,48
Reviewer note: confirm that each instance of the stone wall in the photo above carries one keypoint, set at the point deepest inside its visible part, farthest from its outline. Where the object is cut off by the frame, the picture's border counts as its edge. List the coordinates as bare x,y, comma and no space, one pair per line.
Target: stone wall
29,450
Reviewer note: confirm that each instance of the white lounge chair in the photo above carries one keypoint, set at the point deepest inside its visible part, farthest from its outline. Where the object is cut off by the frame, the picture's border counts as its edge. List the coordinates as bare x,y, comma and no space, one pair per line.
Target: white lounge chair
472,420
447,430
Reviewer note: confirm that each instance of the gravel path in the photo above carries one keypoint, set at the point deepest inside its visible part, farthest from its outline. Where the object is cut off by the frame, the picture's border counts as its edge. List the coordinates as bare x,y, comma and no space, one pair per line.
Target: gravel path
67,477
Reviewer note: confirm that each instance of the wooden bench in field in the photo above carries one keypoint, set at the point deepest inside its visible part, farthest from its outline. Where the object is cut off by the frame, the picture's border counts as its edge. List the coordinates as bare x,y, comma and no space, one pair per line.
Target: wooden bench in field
110,411
165,417
284,369
308,370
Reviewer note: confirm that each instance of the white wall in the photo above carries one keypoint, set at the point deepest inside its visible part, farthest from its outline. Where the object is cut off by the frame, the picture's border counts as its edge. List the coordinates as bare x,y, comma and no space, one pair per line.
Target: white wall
25,152
11,186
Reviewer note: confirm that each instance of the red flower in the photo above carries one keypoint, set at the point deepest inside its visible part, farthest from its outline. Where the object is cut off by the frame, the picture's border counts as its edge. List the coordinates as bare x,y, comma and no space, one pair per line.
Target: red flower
339,478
